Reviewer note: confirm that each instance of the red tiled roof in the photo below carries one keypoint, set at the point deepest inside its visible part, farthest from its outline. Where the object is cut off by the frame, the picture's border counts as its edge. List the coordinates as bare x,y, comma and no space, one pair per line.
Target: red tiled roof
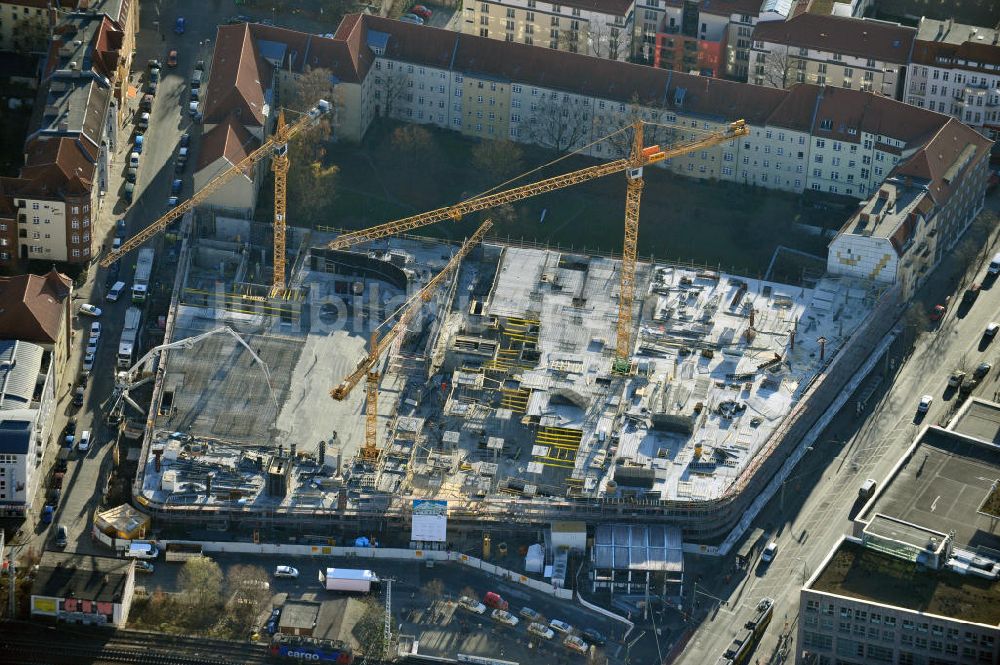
32,306
238,78
942,159
228,139
864,38
58,166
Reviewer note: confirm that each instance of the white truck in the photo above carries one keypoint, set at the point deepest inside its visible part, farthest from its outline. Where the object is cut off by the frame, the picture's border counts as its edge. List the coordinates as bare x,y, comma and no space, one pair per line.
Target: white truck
347,579
143,269
130,335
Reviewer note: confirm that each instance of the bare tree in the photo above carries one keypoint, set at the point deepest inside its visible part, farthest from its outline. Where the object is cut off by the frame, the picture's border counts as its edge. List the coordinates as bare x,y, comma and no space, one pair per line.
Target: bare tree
249,596
392,87
610,41
370,632
31,36
559,123
775,70
497,160
620,144
412,141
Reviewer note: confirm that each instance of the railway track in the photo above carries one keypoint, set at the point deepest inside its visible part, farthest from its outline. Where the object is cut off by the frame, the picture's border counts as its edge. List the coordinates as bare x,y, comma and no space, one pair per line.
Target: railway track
30,644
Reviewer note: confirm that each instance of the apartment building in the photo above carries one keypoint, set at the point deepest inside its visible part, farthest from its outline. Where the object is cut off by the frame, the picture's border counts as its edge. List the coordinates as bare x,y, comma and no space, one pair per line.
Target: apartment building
807,138
853,53
955,69
910,584
602,28
25,25
27,399
47,212
899,235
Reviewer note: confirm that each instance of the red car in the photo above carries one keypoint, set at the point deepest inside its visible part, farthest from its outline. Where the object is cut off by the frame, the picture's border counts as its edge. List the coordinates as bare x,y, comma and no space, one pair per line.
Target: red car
421,11
937,312
495,600
172,59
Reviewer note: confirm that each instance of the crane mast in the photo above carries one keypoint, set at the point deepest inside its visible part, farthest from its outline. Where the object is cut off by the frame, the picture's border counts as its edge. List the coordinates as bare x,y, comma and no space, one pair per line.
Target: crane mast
278,141
366,368
280,167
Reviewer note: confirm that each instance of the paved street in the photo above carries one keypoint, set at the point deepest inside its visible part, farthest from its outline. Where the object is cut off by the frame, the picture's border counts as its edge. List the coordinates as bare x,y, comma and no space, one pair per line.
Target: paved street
87,476
821,493
440,628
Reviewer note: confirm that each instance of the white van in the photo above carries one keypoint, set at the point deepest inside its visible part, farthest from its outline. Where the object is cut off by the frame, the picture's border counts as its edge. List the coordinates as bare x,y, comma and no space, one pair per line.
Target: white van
141,550
116,291
994,268
867,489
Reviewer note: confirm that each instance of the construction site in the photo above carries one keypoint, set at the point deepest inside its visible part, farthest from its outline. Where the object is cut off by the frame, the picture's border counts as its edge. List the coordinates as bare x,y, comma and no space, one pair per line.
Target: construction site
519,384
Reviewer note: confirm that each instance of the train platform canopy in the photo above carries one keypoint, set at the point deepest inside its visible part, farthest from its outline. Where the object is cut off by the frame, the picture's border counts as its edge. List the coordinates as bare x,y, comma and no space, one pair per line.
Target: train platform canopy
635,547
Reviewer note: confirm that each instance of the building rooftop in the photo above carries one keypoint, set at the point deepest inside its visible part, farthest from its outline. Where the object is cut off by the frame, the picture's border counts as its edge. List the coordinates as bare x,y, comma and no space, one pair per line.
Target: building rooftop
635,547
858,572
956,34
20,365
81,576
32,307
298,614
942,484
980,420
15,431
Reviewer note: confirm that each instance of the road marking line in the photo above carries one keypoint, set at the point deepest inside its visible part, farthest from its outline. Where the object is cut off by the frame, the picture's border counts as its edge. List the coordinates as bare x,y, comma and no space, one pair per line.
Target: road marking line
934,503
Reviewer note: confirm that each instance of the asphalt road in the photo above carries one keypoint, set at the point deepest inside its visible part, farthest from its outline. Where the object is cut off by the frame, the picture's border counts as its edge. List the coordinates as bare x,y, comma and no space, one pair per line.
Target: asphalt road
440,629
87,475
821,493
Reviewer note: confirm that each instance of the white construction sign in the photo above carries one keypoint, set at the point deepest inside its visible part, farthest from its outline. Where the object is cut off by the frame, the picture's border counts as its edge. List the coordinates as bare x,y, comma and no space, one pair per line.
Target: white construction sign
430,521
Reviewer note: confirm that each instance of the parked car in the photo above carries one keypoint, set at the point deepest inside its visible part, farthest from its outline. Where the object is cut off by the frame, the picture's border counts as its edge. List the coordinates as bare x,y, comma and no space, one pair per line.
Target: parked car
272,622
90,310
560,626
422,12
152,63
133,159
504,617
185,139
83,445
179,166
78,395
132,174
594,636
69,433
128,193
199,66
539,630
991,329
195,94
175,186
95,329
574,643
495,600
530,614
88,362
172,58
925,404
472,605
193,109
982,369
147,103
412,18
286,572
62,537
180,25
151,86
154,74
143,122
172,202
47,512
769,552
139,140
144,567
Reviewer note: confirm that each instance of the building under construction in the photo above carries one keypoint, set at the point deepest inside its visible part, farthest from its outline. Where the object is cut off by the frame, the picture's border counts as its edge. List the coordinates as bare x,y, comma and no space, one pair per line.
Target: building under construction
498,396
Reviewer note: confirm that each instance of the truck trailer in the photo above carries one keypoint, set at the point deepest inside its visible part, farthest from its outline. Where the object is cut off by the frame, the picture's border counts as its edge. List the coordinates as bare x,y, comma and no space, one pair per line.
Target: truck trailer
347,579
143,270
130,335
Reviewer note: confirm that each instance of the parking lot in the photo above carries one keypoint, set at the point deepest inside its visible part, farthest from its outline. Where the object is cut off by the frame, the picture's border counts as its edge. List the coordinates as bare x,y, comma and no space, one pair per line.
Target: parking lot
439,625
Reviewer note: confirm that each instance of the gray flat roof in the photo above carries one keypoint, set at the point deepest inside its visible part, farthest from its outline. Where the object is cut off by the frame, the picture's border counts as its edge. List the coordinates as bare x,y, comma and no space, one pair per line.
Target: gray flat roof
980,420
941,487
84,577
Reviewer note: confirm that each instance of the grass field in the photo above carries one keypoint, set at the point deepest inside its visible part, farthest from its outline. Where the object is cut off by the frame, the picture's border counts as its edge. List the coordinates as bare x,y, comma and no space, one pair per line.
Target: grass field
719,224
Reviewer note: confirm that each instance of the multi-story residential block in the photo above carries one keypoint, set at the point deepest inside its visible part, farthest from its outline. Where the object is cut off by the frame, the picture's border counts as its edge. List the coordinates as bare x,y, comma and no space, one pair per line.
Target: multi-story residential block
27,397
35,309
955,69
602,28
25,25
807,138
916,581
901,233
50,208
859,54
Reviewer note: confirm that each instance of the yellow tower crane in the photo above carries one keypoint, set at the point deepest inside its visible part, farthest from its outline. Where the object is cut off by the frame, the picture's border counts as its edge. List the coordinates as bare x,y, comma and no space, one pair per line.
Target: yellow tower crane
378,346
276,145
639,157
